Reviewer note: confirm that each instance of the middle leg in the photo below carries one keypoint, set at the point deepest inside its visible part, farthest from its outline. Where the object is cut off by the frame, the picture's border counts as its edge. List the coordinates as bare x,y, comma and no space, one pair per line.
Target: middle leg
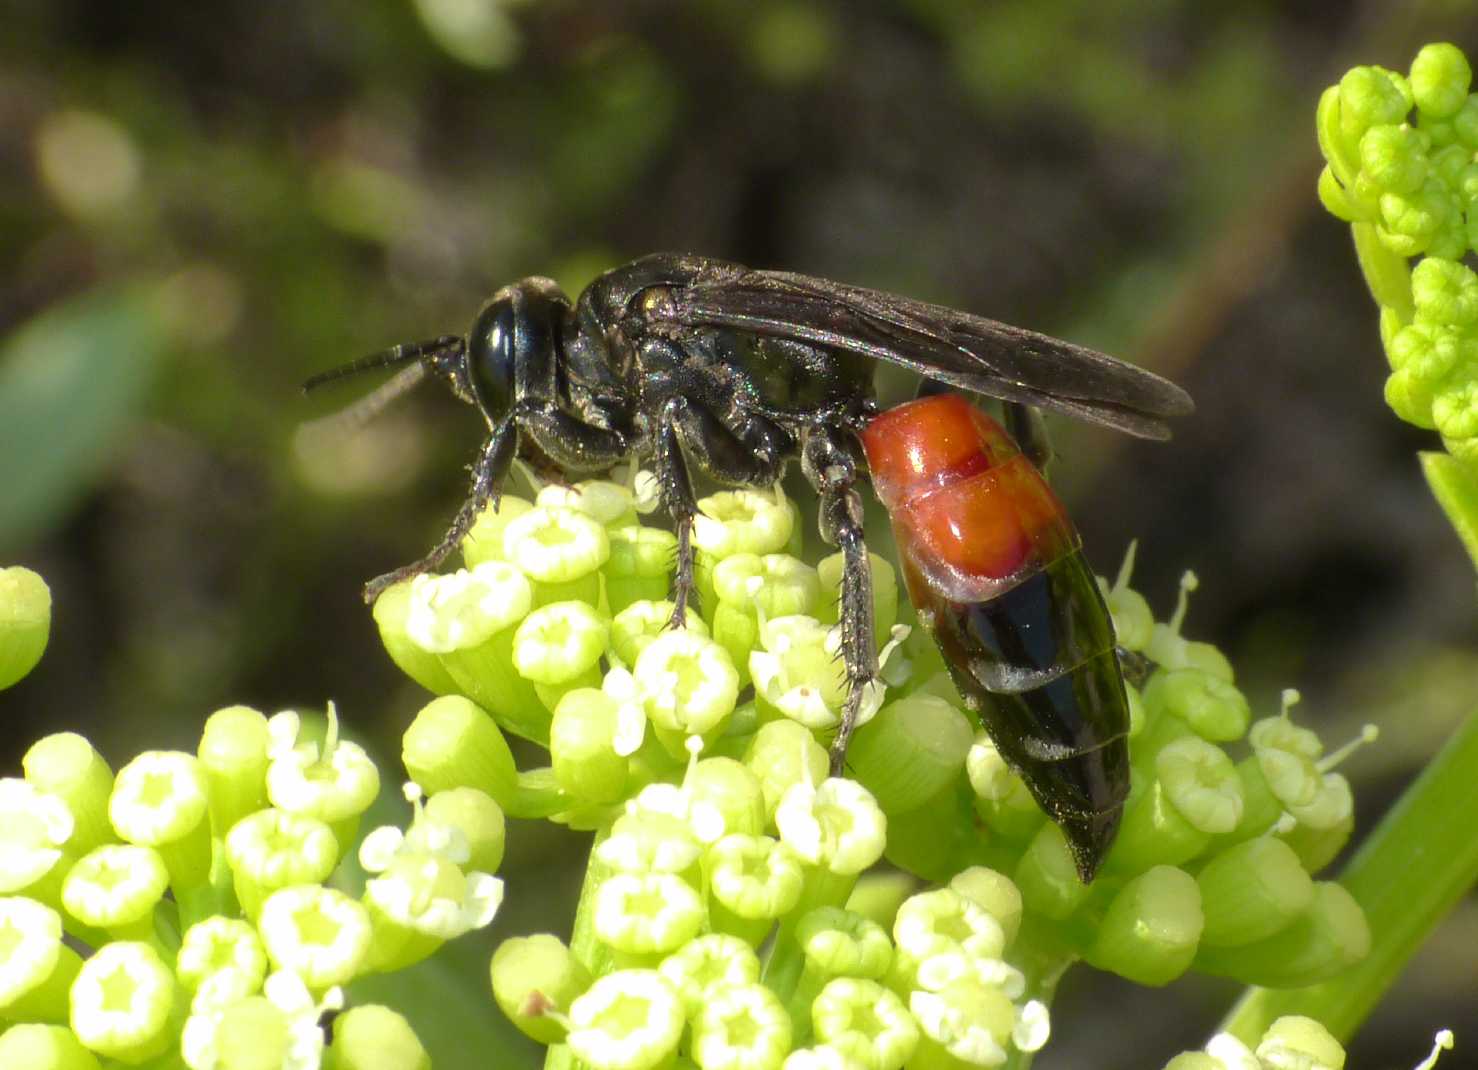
830,463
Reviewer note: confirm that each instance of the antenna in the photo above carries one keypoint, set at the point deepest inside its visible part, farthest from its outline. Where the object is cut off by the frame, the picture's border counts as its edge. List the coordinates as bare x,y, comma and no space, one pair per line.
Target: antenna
386,358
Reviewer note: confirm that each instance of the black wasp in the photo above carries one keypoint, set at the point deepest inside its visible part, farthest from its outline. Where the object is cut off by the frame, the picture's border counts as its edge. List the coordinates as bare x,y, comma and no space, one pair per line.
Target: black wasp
686,362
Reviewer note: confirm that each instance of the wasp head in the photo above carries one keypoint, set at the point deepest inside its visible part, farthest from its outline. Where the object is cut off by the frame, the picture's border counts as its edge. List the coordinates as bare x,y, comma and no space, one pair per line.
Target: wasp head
514,340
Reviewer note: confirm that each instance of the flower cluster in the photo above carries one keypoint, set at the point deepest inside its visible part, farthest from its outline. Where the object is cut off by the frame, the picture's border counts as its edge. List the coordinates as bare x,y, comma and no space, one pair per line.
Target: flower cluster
697,755
1408,183
201,892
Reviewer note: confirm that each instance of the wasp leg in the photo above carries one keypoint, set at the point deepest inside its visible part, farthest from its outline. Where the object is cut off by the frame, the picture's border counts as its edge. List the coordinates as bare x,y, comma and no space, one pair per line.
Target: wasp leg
1026,426
831,465
562,436
690,431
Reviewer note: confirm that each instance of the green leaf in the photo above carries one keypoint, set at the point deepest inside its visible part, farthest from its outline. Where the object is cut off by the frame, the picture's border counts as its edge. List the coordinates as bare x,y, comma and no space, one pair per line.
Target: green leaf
71,380
1455,486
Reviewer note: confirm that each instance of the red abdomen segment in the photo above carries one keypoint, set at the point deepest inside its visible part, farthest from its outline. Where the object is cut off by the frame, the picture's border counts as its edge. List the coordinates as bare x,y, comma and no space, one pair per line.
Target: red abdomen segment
975,514
994,569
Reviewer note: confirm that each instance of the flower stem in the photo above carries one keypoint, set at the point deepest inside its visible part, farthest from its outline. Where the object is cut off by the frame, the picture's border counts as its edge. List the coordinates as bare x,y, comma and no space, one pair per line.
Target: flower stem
1420,860
584,944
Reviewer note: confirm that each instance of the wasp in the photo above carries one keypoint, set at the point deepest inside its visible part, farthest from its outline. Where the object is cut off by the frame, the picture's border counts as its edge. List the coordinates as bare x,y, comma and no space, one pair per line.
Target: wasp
689,364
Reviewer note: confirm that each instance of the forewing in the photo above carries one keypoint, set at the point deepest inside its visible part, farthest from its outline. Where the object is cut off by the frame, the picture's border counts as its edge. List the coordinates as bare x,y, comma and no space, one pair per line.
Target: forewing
965,351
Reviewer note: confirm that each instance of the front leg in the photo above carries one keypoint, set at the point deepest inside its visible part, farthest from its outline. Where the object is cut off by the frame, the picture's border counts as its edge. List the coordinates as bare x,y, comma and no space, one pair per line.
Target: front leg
689,430
831,466
488,473
564,438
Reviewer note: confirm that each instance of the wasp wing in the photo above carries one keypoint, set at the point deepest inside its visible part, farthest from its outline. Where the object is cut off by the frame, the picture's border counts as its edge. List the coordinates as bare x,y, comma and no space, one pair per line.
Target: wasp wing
964,351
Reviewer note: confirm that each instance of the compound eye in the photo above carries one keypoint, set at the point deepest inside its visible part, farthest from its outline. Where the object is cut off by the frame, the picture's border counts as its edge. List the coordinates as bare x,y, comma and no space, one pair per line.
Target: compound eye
491,356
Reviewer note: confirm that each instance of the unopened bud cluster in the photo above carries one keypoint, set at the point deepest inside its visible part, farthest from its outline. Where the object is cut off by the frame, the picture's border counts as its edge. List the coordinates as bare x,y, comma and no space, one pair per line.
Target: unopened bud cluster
187,909
1402,154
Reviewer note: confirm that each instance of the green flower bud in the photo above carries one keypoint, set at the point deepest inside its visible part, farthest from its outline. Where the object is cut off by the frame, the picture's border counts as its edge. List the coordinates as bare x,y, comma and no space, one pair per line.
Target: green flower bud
233,754
318,933
647,913
36,968
116,888
160,800
1372,95
1196,794
278,1028
1252,891
687,683
484,540
122,1000
640,566
854,1013
1393,158
724,798
798,674
634,628
222,957
1152,927
1410,222
561,550
44,1047
910,751
559,642
478,818
878,895
392,611
25,622
372,1037
34,826
1002,798
1195,1060
274,849
533,975
777,584
753,878
583,746
1330,936
1213,708
970,1023
467,619
836,825
1134,623
707,965
1445,293
741,1027
1048,877
609,504
66,767
742,521
781,755
627,1020
1440,77
453,744
995,893
649,841
884,592
334,781
840,943
943,921
1294,1042
931,841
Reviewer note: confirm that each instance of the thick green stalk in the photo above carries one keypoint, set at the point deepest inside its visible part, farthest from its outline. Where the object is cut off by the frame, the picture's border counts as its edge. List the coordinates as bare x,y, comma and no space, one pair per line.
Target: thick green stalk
1420,860
1455,486
584,943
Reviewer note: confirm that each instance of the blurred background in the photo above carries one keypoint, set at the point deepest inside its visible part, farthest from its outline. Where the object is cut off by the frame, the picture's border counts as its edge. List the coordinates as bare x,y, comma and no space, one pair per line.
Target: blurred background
202,204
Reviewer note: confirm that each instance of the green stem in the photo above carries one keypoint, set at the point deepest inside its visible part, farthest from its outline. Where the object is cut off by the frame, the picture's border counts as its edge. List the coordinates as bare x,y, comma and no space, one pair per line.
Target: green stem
584,944
1040,953
1409,873
1455,486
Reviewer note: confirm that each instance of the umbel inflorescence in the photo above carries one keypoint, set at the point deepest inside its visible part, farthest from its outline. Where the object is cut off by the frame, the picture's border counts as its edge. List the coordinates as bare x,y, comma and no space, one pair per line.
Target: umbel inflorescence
741,908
